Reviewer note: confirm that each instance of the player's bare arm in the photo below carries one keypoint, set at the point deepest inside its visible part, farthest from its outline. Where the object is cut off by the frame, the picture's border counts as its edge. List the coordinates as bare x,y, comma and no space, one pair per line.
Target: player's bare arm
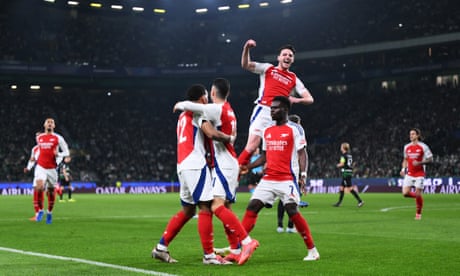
303,166
211,132
305,99
258,162
246,62
403,167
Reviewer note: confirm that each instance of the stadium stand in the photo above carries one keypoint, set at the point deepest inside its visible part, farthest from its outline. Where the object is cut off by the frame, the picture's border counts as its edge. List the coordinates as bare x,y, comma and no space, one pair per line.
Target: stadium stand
130,135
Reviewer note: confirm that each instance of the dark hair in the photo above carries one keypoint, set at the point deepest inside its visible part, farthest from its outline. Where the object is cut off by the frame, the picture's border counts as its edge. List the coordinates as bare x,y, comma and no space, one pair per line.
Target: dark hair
222,86
195,92
284,101
419,133
294,118
287,46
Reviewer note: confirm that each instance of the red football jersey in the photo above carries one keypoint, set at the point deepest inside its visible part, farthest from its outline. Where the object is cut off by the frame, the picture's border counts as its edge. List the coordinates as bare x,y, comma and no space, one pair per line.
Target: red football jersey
49,145
416,152
191,149
275,82
281,144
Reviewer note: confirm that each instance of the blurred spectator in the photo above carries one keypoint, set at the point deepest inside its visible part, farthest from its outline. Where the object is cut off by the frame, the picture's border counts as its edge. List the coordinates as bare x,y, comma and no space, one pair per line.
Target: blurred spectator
129,136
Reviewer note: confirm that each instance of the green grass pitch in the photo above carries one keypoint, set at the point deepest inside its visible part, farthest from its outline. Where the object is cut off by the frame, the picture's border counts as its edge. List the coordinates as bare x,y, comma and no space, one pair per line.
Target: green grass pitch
114,235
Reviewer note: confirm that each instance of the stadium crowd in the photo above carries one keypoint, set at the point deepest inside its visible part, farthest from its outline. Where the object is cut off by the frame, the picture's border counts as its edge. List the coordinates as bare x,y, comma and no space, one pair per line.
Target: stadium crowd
51,34
130,136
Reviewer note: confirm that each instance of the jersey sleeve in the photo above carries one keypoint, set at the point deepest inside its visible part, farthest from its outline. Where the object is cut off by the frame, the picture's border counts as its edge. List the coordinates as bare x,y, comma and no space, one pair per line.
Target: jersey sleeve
198,119
299,88
426,152
212,112
299,135
64,148
260,68
191,106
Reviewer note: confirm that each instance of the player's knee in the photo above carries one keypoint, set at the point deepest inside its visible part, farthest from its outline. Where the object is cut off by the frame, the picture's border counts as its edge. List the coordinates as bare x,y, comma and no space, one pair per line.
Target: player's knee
291,209
189,210
216,203
255,205
39,185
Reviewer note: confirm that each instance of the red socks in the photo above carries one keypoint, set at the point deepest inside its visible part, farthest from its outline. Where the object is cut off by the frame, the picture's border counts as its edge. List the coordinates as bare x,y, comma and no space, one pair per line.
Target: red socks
38,200
231,222
418,201
175,224
419,204
51,198
205,230
249,220
302,227
232,238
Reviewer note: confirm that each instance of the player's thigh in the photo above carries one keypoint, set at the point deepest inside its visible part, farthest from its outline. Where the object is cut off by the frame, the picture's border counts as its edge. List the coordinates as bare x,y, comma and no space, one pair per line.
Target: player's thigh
288,192
265,193
260,120
40,174
51,178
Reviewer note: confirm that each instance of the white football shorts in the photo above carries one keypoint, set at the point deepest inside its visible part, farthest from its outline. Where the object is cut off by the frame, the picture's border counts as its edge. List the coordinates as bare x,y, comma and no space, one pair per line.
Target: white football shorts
260,120
49,176
195,185
225,182
267,191
416,182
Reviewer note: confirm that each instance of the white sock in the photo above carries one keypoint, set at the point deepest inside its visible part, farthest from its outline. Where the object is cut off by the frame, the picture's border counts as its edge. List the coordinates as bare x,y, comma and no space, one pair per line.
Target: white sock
162,247
246,240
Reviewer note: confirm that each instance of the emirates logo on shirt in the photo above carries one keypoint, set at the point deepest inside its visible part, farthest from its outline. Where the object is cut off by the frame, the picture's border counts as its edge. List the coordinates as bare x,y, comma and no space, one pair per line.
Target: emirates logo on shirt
279,77
276,145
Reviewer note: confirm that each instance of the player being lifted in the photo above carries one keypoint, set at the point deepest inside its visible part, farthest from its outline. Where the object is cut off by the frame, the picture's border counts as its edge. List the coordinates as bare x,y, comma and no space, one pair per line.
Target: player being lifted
274,81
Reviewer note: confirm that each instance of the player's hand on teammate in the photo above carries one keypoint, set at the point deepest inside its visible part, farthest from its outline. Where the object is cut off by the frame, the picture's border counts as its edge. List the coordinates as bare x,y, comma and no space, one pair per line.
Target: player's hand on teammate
243,169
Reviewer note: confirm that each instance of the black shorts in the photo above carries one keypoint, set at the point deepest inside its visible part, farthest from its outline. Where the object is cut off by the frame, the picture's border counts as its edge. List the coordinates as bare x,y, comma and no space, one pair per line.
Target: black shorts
64,183
346,181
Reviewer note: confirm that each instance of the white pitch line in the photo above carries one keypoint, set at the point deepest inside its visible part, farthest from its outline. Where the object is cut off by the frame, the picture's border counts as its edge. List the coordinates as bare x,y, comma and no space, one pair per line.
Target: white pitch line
393,208
89,217
77,260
